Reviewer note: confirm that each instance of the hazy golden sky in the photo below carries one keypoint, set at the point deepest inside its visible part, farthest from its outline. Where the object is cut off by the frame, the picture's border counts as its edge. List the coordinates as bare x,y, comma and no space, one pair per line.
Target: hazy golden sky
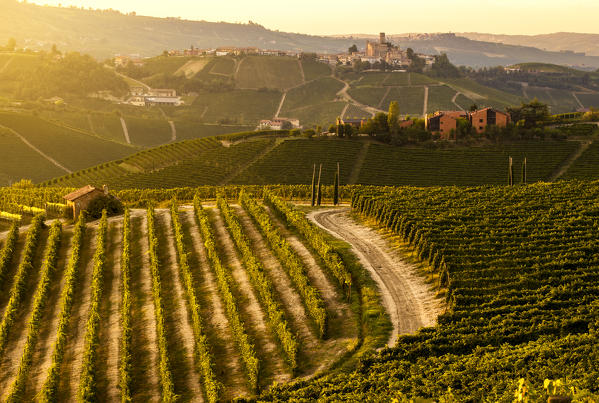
360,16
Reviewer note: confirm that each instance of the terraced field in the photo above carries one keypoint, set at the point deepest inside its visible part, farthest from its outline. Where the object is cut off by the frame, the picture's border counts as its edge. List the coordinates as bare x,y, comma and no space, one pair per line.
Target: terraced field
268,72
237,107
313,93
203,302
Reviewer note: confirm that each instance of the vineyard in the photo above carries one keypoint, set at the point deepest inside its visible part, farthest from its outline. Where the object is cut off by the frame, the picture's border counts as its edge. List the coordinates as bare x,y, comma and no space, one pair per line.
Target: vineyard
199,301
262,158
519,266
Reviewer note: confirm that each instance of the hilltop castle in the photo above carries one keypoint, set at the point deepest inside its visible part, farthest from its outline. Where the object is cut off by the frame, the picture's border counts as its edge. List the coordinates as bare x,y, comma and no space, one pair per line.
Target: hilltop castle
386,51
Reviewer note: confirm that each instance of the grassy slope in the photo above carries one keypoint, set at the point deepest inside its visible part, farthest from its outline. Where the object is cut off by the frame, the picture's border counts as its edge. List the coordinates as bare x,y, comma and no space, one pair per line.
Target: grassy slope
269,72
73,149
586,167
314,69
238,106
312,93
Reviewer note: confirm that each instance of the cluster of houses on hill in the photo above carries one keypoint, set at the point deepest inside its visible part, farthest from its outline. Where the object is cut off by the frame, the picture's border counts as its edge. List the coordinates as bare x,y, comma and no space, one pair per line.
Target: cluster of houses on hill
140,96
445,123
374,52
279,124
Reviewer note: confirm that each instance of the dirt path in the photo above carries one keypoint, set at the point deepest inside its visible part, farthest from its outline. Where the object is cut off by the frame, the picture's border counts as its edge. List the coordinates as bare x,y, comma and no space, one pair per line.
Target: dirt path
344,111
141,84
228,361
344,95
42,358
281,104
425,107
453,100
355,173
380,104
342,327
564,166
110,333
71,365
273,369
577,100
301,69
289,297
3,69
145,376
11,355
125,130
173,130
37,150
178,312
408,299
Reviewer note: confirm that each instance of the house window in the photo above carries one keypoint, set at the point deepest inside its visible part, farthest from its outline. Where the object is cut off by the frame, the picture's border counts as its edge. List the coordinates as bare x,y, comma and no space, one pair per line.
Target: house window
480,120
480,127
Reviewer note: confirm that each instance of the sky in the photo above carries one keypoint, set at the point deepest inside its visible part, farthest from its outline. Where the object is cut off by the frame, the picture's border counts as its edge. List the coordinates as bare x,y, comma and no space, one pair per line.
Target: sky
329,17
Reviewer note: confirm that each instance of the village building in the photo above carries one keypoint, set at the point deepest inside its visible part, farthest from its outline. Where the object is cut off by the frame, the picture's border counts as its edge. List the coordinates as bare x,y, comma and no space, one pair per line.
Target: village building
80,199
278,124
482,118
444,123
140,96
124,60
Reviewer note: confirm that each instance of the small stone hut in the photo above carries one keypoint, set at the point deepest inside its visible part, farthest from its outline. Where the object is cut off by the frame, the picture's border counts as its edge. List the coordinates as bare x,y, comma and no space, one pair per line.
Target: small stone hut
80,199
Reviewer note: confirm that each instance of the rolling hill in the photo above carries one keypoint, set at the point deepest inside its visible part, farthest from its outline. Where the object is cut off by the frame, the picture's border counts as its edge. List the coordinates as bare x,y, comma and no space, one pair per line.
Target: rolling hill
271,158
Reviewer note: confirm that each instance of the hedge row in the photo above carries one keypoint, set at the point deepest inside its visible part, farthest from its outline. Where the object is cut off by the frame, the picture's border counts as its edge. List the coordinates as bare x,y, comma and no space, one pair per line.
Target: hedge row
17,388
50,387
88,388
18,289
247,349
126,359
262,285
290,261
202,351
8,250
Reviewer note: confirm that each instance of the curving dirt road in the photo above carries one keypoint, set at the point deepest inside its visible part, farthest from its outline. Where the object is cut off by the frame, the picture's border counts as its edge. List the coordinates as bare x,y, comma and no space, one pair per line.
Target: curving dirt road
411,303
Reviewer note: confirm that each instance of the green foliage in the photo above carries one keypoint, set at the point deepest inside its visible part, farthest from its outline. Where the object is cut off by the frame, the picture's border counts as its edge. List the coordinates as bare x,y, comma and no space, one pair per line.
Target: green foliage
530,114
73,74
274,72
104,205
262,285
49,389
245,345
166,377
333,262
290,260
40,299
88,383
442,67
8,250
20,280
203,355
126,359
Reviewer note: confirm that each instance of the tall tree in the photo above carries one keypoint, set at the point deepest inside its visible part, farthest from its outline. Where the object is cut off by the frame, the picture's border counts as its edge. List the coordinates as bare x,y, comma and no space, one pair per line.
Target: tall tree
11,44
352,49
313,185
393,117
336,187
319,195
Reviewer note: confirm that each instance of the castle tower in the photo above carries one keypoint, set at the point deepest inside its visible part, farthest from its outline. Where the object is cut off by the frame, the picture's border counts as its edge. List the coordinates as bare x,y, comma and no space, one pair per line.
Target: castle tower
382,39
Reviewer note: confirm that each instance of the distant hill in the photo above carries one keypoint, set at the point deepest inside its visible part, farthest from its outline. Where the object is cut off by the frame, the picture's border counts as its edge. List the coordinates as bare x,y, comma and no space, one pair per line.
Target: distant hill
105,33
559,41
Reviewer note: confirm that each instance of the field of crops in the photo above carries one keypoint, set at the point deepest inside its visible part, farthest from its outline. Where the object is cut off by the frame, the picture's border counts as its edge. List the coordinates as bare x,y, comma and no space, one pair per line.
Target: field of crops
439,98
237,107
323,114
461,166
588,99
313,69
268,72
519,268
313,93
292,162
196,301
586,167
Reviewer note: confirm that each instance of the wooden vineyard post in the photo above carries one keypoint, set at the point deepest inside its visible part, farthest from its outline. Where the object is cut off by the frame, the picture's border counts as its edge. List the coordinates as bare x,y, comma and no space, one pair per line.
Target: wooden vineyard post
336,187
510,173
313,185
319,195
524,171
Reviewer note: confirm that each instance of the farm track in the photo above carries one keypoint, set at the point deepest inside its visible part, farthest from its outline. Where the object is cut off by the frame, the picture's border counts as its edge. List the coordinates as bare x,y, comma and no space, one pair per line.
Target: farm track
42,358
71,365
229,366
178,322
292,302
564,166
11,355
273,368
342,326
110,333
145,377
125,130
37,150
408,299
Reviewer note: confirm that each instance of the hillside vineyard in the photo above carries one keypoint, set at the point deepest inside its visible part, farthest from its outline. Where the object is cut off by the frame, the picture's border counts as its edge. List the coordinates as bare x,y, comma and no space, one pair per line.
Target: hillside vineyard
199,301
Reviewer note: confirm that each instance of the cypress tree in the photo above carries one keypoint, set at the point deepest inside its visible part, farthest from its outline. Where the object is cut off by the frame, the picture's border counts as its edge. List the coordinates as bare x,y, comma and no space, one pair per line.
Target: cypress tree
336,189
313,185
524,171
319,195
